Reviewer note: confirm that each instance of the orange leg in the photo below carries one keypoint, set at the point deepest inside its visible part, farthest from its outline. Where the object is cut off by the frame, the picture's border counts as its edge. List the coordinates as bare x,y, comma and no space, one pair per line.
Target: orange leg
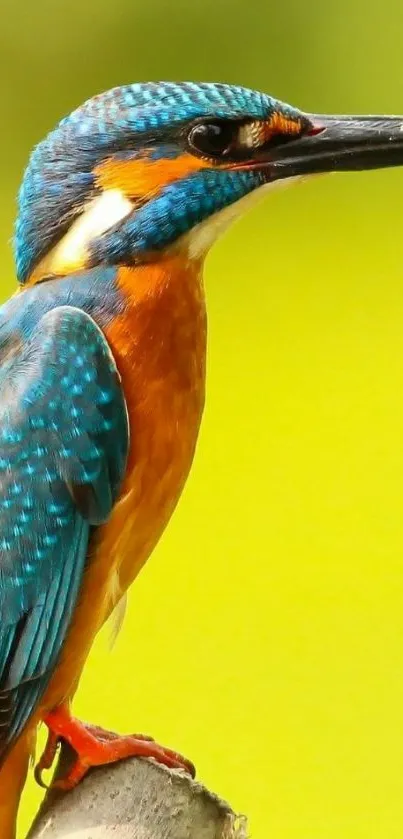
96,747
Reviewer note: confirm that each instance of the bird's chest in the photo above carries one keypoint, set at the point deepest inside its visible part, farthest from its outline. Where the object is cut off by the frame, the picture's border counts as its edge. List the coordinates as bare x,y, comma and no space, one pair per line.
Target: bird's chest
159,344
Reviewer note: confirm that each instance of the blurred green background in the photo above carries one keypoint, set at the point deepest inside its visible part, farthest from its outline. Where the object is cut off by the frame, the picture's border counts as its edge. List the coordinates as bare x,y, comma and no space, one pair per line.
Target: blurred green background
265,637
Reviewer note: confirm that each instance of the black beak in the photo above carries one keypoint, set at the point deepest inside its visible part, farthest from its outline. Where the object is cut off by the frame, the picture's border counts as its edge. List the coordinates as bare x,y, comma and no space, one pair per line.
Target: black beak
340,144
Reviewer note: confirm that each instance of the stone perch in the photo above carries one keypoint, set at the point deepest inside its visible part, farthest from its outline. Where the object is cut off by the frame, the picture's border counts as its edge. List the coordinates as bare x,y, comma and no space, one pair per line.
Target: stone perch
135,799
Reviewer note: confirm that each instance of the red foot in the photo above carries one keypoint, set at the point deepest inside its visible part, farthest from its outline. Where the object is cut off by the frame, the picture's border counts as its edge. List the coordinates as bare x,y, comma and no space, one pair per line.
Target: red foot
96,747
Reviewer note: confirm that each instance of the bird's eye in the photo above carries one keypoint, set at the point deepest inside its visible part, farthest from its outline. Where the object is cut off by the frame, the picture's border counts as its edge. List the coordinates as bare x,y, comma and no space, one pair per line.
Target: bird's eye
214,139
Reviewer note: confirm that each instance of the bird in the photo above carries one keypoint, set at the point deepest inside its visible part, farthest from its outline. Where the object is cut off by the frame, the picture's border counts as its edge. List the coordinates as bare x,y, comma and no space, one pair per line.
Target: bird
103,363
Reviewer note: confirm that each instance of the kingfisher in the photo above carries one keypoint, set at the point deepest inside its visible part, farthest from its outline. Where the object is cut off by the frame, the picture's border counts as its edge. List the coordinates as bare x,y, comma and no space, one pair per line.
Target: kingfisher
102,368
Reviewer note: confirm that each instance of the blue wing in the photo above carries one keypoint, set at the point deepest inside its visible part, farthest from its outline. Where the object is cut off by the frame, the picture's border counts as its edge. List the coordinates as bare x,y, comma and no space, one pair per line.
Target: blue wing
63,449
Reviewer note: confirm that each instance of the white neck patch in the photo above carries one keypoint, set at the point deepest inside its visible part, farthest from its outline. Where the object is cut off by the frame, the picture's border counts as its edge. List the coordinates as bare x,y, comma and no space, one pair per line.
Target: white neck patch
100,214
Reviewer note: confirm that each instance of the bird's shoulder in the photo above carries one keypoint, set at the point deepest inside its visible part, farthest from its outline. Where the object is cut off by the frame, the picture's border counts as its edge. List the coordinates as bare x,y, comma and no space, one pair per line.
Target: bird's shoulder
95,292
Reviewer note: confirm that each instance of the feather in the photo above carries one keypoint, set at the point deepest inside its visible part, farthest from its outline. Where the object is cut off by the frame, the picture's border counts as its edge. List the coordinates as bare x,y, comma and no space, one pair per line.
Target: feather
116,620
63,448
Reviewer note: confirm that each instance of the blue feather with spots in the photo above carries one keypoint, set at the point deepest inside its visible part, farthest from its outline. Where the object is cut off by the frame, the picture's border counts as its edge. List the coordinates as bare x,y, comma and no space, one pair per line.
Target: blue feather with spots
63,449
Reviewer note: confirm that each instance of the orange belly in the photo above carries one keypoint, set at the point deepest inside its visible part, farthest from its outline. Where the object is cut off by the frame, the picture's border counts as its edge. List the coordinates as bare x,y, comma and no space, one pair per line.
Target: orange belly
159,346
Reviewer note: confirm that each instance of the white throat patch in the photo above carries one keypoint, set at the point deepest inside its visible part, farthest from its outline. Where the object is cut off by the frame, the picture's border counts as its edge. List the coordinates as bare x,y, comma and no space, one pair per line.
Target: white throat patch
199,240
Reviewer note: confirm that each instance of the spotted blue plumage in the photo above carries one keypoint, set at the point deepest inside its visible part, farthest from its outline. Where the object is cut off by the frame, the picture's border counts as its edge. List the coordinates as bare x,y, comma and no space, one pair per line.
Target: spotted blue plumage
63,448
60,175
95,291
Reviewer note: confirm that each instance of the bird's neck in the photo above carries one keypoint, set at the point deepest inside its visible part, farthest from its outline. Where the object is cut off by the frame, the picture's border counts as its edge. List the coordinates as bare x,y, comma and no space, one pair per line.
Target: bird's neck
152,311
163,315
159,342
155,309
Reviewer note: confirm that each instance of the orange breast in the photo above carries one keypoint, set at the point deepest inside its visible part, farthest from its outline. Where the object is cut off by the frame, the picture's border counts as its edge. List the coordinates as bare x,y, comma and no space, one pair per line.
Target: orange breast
159,345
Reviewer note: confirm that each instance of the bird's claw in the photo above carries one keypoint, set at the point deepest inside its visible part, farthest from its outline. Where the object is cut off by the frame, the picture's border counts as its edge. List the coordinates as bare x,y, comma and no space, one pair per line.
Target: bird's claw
46,759
96,747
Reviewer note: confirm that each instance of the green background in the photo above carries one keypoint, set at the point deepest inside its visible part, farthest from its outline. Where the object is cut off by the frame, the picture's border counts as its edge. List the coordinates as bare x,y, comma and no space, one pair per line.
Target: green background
265,637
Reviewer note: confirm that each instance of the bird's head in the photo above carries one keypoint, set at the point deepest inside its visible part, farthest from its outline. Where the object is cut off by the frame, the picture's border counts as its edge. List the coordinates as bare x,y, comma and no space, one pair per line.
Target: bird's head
146,167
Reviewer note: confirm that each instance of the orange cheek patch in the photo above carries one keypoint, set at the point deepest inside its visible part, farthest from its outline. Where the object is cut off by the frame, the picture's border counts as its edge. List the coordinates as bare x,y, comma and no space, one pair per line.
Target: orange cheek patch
139,178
